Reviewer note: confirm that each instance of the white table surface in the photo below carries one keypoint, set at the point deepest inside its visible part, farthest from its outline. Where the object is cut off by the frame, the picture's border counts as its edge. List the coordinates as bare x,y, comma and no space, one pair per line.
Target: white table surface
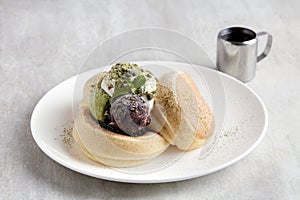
44,42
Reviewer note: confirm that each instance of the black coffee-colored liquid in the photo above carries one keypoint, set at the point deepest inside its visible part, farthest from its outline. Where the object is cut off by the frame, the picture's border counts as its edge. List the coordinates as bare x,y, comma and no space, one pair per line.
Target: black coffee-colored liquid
237,34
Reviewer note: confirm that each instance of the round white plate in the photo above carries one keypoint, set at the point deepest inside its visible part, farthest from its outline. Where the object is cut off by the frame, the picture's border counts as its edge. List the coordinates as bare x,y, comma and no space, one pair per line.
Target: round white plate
240,115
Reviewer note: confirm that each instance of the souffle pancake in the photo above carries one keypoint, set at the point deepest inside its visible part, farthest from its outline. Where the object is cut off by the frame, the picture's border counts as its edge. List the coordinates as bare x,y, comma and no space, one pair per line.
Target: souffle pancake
128,116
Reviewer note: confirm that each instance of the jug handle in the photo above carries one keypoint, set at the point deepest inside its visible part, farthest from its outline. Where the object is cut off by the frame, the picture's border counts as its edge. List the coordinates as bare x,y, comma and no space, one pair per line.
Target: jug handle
268,45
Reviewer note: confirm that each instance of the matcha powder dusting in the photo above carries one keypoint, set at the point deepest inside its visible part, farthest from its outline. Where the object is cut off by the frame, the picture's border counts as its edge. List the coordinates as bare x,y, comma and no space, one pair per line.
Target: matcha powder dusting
66,136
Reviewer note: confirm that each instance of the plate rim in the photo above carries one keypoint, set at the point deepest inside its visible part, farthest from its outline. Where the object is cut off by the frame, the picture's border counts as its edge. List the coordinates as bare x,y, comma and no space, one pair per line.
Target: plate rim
123,180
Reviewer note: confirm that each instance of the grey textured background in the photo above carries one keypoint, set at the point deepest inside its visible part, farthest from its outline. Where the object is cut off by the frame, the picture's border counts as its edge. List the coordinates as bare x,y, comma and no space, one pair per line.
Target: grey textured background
44,42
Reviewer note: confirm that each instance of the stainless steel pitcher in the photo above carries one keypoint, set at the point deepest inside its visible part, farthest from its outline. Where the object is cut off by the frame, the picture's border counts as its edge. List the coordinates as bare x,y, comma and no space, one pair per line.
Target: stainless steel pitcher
237,52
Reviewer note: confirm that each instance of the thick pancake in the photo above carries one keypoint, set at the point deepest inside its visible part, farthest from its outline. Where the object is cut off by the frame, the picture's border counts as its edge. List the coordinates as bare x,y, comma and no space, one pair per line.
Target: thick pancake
115,149
189,120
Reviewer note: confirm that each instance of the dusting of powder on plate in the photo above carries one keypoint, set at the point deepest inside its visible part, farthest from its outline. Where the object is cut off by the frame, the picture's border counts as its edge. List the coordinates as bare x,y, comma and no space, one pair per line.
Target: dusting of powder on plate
65,134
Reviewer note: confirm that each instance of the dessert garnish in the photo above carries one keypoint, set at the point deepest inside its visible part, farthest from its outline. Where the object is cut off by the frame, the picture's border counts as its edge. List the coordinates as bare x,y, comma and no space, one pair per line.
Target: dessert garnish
123,99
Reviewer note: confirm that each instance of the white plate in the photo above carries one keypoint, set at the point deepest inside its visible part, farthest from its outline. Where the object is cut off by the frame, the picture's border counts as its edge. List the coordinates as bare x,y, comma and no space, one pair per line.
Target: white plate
237,132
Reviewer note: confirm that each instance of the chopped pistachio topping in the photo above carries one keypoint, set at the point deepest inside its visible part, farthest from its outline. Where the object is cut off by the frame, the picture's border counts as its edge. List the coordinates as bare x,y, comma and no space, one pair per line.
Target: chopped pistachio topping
128,75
